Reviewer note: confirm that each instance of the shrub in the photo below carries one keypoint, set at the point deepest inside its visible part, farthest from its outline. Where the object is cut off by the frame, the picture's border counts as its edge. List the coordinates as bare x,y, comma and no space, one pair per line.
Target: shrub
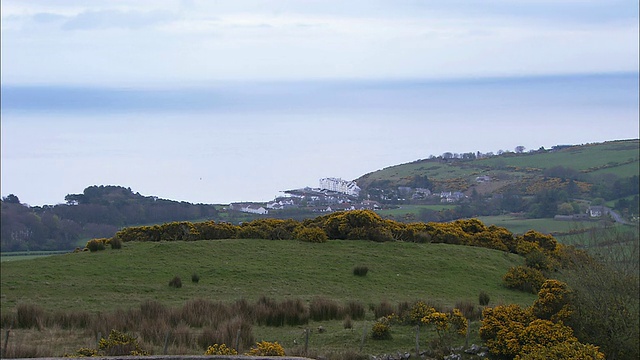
418,311
221,349
119,344
95,245
483,298
311,234
360,270
381,330
265,348
195,278
538,260
176,282
523,278
115,243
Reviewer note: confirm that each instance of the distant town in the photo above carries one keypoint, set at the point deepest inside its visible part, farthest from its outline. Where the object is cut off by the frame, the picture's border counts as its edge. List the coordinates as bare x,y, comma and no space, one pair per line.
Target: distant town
336,194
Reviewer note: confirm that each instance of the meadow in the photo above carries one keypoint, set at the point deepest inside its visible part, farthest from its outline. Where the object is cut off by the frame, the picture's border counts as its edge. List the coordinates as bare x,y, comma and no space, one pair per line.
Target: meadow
233,270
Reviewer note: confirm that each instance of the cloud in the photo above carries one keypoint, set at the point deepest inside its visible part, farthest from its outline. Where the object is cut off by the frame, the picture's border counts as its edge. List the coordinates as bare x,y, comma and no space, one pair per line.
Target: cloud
105,19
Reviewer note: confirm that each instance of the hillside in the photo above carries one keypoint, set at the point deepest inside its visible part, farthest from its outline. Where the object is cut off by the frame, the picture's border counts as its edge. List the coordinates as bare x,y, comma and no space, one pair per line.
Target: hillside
234,269
535,182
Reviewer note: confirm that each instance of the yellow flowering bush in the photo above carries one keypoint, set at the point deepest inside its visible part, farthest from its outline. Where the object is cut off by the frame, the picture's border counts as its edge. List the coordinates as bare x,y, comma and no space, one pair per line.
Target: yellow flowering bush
564,350
83,352
553,301
381,329
119,343
266,348
523,278
444,322
221,349
418,311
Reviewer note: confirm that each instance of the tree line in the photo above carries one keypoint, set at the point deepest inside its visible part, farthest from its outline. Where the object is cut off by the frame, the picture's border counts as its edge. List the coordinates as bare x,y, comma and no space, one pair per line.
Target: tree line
98,212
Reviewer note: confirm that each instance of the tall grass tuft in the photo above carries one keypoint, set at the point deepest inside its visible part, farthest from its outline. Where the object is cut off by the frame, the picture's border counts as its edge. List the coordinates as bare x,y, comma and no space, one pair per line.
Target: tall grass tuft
176,282
355,310
321,309
383,309
360,270
29,316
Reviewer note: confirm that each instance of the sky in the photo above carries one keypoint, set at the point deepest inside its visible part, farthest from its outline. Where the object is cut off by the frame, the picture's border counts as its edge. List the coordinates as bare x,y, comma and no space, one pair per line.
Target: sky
221,101
146,42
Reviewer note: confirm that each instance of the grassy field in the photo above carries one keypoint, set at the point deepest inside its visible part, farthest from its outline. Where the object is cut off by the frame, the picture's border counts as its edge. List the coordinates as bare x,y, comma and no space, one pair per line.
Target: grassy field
403,210
233,269
229,270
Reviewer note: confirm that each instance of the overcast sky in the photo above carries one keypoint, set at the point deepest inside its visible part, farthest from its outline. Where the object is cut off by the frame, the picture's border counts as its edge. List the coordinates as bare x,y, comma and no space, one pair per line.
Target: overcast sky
162,95
150,42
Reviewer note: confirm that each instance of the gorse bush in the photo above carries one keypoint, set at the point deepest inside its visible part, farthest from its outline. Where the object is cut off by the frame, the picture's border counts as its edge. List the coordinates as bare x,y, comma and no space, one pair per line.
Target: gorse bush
265,348
115,243
118,344
523,278
221,349
311,234
381,329
96,245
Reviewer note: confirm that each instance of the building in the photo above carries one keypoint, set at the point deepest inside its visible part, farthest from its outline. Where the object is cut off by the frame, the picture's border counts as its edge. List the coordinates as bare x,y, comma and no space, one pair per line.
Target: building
340,186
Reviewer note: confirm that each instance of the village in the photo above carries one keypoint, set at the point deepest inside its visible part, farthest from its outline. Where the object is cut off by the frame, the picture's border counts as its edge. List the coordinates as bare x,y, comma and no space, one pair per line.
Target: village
336,194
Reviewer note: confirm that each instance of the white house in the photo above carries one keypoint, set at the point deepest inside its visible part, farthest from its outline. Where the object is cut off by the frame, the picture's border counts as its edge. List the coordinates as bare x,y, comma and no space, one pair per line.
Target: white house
341,186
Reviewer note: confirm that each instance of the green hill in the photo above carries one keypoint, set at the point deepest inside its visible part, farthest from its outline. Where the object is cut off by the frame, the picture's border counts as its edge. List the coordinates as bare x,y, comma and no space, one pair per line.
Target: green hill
618,158
234,269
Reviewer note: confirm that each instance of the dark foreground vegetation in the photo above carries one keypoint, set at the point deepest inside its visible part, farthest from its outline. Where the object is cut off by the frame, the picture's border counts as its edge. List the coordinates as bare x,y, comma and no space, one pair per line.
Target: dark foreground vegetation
585,308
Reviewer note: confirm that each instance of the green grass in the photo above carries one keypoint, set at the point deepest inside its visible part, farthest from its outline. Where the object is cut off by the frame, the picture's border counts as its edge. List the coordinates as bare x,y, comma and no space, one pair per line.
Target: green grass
234,269
619,158
521,225
404,210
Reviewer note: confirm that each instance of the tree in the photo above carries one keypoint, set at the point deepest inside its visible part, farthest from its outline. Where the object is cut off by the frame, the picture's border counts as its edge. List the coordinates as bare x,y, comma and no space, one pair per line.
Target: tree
520,149
11,199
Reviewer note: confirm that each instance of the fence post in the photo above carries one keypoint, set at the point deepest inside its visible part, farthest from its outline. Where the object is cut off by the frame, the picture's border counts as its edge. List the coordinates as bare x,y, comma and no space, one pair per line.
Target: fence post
6,341
166,342
238,341
364,334
306,341
98,340
417,341
466,340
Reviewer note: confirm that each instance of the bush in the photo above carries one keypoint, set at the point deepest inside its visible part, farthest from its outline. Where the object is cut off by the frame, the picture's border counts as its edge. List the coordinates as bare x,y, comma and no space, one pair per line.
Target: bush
222,349
483,298
96,245
360,270
381,329
311,234
176,282
195,278
523,278
119,344
265,348
115,243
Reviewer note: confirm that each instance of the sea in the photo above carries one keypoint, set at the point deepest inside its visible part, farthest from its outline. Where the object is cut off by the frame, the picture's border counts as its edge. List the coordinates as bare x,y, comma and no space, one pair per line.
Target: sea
222,142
